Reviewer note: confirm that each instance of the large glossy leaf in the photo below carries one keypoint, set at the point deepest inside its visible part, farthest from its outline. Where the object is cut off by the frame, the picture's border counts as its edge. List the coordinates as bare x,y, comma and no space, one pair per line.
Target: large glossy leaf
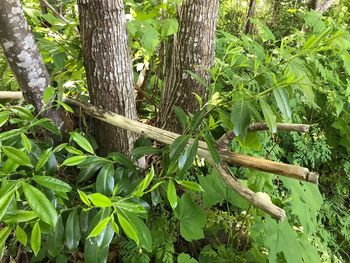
128,228
44,158
192,218
21,236
4,116
105,179
52,183
282,99
186,160
240,117
171,194
99,227
19,216
5,201
143,231
26,142
139,191
35,241
100,200
17,156
269,115
40,204
72,231
82,142
55,240
178,146
211,145
75,160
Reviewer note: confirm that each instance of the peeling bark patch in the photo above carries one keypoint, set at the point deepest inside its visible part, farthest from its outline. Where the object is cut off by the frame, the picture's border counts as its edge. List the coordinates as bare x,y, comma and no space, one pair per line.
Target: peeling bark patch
7,45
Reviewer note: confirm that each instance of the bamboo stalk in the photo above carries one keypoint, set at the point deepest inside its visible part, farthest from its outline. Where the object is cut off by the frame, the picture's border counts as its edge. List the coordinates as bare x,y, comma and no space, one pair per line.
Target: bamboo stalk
167,138
225,140
288,170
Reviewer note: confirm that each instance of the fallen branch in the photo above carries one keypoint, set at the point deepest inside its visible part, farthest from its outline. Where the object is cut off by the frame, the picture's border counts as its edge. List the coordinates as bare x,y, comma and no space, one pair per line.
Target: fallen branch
224,141
168,138
11,95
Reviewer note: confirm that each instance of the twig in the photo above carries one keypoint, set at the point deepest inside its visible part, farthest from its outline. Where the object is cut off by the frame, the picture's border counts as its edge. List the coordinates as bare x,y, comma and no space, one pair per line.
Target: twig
224,141
56,13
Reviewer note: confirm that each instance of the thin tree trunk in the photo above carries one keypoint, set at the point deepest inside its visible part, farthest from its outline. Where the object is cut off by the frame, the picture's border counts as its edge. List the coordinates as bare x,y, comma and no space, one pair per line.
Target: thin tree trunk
107,60
248,27
23,56
321,6
193,49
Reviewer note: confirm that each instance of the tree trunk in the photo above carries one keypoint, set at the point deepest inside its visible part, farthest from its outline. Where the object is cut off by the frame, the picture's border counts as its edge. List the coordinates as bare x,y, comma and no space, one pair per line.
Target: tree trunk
321,6
193,49
25,60
107,60
248,27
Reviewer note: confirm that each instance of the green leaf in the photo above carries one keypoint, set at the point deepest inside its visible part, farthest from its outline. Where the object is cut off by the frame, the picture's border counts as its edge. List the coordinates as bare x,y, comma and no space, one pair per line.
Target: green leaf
84,198
185,258
99,227
72,231
136,208
26,142
240,117
100,200
19,216
346,60
171,193
177,147
9,134
128,229
192,218
53,183
73,150
49,94
115,226
23,113
216,191
269,116
139,191
17,156
190,185
39,203
142,230
5,201
264,31
82,142
145,150
282,99
75,160
35,241
48,124
182,116
105,179
169,27
21,236
123,160
211,146
43,159
186,160
150,38
4,116
4,234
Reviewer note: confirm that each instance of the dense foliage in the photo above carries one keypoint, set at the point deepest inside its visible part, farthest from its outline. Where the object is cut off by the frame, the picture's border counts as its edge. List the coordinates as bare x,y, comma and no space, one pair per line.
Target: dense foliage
65,203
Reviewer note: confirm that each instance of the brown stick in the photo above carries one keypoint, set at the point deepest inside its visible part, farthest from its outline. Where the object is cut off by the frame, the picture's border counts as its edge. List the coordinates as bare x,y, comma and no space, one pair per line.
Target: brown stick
167,138
11,95
288,170
225,140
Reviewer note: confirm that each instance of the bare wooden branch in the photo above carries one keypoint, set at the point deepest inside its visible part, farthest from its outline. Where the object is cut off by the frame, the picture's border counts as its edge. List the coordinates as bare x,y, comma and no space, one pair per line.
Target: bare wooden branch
11,95
224,141
56,13
288,170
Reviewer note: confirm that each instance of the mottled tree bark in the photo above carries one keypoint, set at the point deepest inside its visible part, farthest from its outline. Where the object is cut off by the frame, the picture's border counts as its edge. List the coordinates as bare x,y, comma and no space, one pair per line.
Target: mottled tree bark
193,49
25,60
321,6
248,27
107,60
